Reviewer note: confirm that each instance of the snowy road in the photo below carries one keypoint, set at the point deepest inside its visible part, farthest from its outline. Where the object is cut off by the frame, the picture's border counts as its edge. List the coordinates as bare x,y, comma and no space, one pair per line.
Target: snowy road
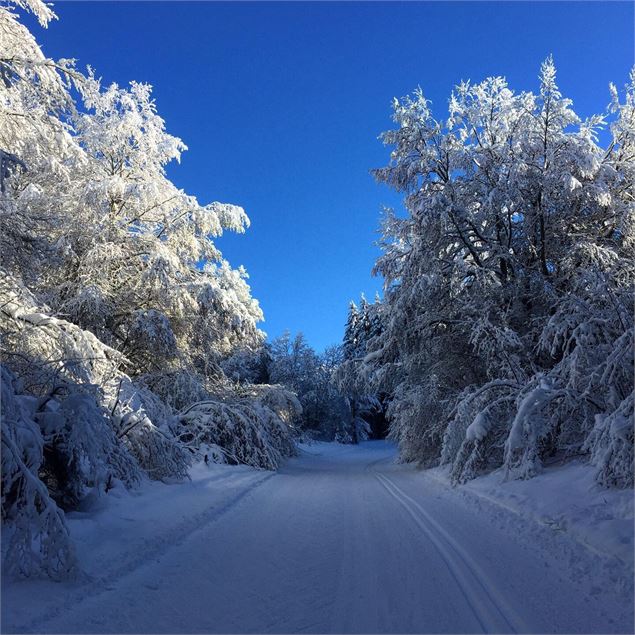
343,540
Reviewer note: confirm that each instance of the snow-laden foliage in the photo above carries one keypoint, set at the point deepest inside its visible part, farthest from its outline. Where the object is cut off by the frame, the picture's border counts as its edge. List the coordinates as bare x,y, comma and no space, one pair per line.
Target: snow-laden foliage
363,325
250,427
117,310
137,283
508,336
53,357
38,538
82,420
92,224
611,445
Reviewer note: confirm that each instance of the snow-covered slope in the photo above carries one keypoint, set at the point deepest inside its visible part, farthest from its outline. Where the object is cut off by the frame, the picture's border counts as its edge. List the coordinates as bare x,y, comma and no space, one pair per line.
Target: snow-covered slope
342,539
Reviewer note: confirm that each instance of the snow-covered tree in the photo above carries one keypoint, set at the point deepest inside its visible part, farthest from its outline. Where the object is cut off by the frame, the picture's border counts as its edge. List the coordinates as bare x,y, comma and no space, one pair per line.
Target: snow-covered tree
250,426
363,325
138,281
311,376
117,310
508,285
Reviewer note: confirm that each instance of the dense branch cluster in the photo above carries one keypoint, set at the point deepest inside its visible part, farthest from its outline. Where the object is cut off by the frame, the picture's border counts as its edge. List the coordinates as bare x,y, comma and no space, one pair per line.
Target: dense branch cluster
508,330
326,410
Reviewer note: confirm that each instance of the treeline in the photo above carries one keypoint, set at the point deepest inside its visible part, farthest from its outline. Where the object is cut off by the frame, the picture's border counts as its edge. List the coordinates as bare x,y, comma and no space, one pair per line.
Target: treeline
334,404
507,338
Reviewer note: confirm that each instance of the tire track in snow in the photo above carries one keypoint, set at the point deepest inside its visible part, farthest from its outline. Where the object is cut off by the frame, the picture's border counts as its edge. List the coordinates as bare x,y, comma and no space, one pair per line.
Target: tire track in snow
157,548
490,609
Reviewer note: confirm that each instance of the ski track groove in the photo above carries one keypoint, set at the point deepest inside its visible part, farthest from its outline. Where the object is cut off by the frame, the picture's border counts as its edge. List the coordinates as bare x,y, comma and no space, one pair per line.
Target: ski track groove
475,587
159,547
344,594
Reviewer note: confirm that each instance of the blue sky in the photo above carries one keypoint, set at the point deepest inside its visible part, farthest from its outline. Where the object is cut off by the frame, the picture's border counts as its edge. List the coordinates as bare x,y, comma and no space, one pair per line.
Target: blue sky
281,105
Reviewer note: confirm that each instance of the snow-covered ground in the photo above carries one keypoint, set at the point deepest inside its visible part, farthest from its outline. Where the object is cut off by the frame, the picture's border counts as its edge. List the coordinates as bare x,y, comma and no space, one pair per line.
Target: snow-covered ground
564,498
342,539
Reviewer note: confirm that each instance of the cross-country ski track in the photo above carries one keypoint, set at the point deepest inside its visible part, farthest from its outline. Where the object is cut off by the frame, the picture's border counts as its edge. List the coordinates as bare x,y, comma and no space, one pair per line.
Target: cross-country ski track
342,539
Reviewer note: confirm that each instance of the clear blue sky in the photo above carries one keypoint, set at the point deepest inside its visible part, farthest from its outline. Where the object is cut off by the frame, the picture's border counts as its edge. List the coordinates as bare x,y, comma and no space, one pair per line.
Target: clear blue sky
281,105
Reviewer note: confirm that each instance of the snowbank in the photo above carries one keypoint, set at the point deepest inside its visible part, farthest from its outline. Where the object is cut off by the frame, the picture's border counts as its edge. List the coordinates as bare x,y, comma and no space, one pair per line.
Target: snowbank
565,498
116,533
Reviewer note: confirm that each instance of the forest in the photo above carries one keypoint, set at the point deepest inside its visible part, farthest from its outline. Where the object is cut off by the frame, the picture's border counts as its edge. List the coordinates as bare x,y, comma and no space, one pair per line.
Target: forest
131,348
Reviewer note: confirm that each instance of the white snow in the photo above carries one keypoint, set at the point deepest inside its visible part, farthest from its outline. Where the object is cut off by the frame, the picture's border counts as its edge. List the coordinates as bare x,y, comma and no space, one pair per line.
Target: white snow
565,498
342,539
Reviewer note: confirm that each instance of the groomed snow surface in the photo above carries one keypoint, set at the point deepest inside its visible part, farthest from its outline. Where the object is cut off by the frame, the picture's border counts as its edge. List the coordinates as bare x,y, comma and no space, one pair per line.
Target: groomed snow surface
343,539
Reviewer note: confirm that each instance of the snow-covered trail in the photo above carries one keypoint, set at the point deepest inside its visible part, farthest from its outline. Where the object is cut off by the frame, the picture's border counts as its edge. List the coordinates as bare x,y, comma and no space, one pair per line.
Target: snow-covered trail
343,540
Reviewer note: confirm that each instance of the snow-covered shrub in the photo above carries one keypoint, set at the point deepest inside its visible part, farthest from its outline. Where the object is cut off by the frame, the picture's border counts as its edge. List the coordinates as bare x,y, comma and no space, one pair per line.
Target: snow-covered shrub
36,538
250,429
147,427
284,403
158,453
475,436
417,421
611,446
81,450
